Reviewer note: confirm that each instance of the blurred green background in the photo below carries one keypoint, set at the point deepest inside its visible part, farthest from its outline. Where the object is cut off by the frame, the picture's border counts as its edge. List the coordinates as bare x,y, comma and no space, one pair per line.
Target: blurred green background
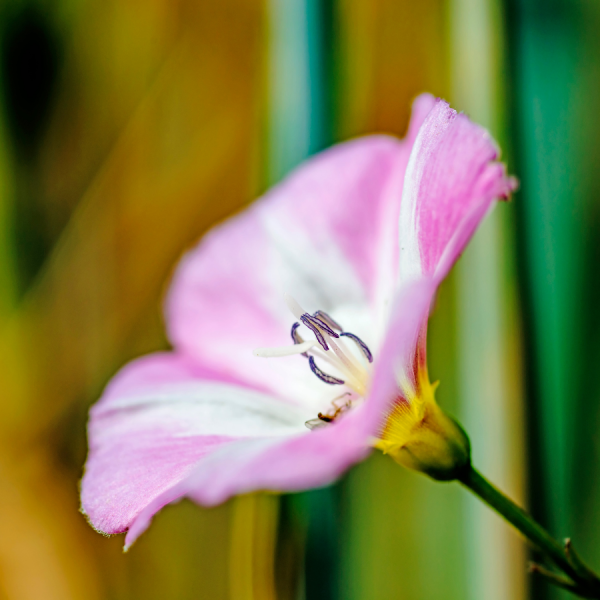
128,128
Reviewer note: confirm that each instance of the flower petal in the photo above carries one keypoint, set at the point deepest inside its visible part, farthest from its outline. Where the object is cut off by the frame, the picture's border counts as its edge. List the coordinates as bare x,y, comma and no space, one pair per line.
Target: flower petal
451,182
167,427
313,459
305,461
156,419
396,361
327,235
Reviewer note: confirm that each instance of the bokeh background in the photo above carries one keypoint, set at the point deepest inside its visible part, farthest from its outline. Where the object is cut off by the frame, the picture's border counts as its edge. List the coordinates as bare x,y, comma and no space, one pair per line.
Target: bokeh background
128,128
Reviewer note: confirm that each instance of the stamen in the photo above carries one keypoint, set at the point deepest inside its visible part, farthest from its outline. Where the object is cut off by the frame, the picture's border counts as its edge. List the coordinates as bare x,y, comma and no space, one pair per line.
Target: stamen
330,358
350,377
322,375
326,418
347,358
305,319
321,324
284,350
363,347
339,405
316,424
343,401
325,329
296,337
323,316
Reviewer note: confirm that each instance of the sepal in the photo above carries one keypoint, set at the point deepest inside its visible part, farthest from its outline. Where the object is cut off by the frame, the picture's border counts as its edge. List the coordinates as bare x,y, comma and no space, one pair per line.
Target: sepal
420,436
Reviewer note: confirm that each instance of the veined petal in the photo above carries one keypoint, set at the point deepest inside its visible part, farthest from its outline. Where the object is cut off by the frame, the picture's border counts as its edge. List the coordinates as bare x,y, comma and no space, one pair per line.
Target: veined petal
451,182
156,420
327,235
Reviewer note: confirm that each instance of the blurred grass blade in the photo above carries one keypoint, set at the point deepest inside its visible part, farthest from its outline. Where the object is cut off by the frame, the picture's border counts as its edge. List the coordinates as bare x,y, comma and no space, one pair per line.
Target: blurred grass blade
252,554
555,64
488,339
8,291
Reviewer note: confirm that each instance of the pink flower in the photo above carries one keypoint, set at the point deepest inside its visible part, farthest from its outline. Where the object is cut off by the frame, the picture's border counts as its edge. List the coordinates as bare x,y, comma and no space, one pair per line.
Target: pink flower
360,235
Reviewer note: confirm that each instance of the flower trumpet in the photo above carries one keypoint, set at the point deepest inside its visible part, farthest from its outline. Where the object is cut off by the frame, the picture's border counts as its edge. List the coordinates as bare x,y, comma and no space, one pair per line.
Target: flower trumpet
298,330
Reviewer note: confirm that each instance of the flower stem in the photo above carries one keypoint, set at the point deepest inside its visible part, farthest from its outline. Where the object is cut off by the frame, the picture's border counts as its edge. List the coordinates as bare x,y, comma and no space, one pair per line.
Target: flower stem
585,582
516,516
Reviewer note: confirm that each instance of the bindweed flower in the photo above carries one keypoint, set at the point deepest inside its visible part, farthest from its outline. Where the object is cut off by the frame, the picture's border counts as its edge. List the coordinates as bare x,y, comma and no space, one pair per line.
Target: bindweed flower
298,329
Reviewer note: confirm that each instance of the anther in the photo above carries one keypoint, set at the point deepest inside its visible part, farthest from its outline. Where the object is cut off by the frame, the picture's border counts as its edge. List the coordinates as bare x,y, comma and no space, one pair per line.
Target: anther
362,346
315,329
325,318
330,379
322,325
325,418
296,337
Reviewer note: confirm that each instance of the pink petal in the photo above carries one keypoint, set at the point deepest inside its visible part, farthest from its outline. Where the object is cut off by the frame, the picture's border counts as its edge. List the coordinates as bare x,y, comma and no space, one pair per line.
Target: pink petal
451,182
156,419
327,235
315,458
406,332
306,461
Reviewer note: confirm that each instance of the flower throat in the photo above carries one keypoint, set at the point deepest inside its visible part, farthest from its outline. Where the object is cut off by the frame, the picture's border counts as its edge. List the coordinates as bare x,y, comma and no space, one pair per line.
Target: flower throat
331,347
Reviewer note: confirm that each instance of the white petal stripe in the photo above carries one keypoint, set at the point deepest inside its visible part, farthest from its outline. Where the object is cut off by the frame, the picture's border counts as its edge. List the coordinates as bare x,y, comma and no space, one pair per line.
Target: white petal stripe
204,408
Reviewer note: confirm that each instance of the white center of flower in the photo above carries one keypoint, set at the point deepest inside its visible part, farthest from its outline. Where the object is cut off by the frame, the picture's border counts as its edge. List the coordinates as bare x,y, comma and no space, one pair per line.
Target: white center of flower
330,346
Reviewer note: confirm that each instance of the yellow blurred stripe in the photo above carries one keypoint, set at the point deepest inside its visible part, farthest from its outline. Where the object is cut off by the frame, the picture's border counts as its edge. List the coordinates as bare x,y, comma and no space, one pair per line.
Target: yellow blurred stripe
389,51
253,542
8,292
42,548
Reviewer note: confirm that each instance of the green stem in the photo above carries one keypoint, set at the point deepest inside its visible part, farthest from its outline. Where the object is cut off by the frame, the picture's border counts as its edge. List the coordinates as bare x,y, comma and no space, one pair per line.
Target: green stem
517,517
